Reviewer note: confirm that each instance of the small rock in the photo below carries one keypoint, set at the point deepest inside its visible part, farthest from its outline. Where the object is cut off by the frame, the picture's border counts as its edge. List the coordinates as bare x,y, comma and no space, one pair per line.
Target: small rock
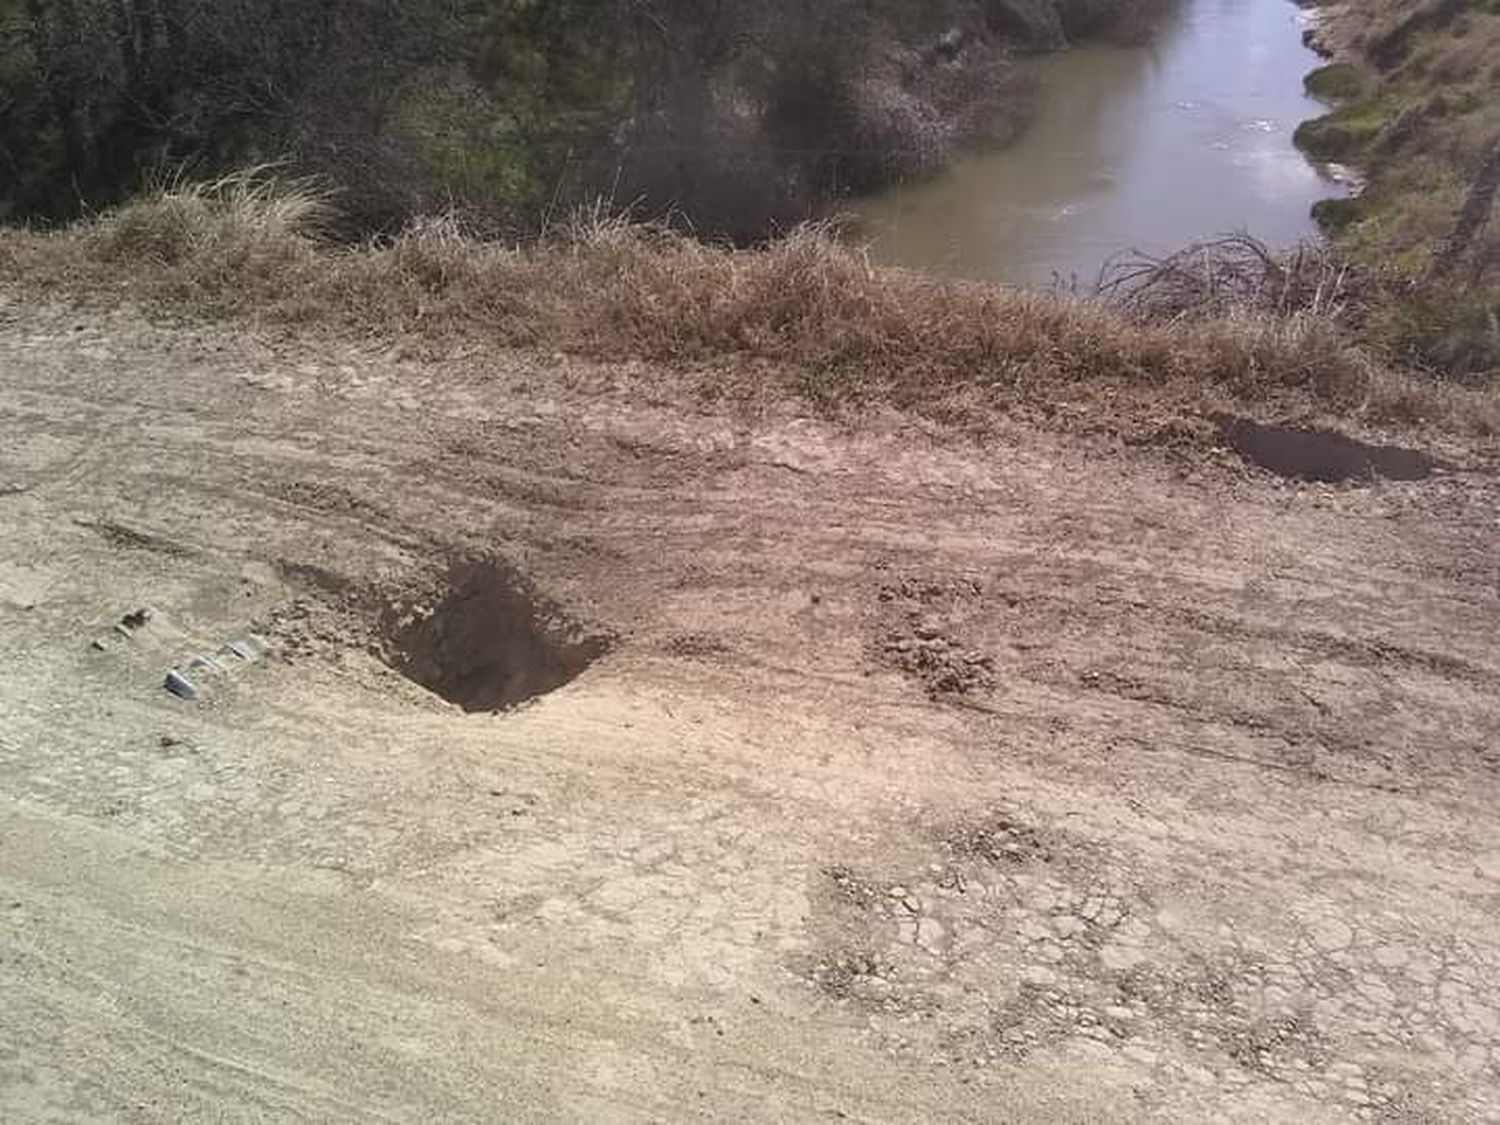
1050,952
1330,935
137,619
1117,957
1067,926
929,932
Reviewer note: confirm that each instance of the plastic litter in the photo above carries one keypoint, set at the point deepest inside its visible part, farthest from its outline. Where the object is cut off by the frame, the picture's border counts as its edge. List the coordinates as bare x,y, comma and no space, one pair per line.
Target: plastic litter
182,687
249,649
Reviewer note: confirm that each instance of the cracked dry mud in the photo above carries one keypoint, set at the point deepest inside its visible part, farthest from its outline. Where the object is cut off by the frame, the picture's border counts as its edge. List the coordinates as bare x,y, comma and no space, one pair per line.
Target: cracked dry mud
900,779
990,955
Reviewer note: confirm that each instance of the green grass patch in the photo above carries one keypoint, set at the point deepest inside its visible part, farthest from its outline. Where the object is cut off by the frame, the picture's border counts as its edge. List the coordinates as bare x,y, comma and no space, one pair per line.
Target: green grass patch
1334,216
1337,82
1344,134
1453,334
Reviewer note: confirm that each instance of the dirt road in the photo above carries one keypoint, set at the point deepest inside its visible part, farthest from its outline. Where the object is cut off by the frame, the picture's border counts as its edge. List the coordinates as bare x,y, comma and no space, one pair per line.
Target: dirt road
1032,780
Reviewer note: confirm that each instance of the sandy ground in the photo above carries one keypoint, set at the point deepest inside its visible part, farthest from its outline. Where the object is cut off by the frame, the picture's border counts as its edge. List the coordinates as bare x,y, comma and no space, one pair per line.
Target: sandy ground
1037,780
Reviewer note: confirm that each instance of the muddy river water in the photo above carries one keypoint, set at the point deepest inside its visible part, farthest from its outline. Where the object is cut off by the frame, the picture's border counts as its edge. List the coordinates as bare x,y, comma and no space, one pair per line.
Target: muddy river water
1147,147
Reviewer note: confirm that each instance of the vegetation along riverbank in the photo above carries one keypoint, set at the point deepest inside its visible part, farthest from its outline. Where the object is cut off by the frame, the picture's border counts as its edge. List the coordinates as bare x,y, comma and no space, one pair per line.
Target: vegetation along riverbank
737,119
1414,96
1393,324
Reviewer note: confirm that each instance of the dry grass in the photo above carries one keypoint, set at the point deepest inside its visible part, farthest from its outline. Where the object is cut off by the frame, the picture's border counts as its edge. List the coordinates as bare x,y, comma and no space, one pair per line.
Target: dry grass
804,316
185,220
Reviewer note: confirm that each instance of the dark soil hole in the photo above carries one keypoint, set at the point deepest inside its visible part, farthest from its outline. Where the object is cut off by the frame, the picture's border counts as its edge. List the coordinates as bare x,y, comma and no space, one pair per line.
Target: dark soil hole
1319,456
490,642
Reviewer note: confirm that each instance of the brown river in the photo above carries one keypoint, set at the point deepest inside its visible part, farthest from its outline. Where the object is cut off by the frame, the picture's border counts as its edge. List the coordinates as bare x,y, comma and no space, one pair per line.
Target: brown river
1142,147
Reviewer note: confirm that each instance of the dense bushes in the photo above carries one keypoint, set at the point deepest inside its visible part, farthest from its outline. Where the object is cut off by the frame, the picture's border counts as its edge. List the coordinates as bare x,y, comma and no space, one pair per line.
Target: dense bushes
739,117
94,94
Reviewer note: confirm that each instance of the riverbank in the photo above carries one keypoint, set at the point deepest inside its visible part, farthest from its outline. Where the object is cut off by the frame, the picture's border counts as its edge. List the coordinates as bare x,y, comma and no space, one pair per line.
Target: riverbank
1312,341
1414,93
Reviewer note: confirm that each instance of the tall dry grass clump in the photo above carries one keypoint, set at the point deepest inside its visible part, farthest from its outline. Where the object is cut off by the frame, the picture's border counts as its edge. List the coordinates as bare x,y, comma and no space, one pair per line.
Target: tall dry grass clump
233,246
246,213
804,315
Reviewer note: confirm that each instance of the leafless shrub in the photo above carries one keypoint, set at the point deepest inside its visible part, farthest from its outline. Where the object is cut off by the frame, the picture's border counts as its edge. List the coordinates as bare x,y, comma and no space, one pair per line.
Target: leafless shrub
1235,272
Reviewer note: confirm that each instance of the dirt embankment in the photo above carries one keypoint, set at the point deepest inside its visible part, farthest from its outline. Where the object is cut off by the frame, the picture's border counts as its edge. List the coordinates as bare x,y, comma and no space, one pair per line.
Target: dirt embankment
1212,331
876,775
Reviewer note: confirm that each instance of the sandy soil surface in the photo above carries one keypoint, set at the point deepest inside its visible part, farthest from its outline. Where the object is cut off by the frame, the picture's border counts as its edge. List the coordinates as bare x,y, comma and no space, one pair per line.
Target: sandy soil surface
1039,779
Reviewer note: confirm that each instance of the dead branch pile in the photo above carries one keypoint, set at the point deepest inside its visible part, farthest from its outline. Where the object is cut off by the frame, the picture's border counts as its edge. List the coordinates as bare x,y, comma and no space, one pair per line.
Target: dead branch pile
1235,272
